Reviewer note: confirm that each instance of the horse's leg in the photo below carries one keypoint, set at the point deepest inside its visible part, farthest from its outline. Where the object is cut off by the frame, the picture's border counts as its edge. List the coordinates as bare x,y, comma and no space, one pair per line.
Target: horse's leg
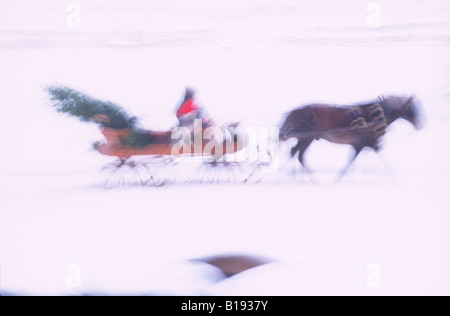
295,149
343,172
302,146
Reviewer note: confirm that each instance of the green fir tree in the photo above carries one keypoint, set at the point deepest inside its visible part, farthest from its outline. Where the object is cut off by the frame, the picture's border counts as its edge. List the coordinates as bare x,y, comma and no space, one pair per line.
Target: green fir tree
106,114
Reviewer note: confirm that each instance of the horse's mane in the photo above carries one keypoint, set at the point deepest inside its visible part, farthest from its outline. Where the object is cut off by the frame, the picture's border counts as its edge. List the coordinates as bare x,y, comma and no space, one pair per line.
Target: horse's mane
379,99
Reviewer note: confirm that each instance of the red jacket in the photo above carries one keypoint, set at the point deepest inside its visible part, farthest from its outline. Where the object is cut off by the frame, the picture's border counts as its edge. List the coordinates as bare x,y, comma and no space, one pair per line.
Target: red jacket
187,107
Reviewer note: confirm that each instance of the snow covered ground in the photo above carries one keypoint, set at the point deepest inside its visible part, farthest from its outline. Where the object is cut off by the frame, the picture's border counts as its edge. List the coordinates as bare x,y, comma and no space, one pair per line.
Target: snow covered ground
383,230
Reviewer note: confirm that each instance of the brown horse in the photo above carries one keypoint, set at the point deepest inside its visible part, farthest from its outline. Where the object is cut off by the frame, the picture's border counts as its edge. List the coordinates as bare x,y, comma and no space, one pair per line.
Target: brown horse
359,126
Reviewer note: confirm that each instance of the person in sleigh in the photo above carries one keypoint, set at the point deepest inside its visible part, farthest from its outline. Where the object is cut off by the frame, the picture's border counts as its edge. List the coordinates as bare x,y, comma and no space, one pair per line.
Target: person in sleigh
190,110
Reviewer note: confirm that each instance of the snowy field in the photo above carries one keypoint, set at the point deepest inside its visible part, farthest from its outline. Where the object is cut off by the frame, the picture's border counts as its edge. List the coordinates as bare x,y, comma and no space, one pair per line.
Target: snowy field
383,230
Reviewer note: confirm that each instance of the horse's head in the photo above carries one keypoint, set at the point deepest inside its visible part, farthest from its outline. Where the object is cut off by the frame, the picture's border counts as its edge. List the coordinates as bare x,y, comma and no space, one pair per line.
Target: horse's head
413,112
407,108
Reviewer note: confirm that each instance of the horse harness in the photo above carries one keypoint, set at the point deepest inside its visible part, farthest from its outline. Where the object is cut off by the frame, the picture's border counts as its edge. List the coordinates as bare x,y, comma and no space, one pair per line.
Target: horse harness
370,119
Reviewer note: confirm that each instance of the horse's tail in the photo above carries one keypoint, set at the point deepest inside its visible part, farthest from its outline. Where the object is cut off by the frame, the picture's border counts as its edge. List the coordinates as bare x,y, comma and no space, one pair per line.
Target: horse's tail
298,120
285,126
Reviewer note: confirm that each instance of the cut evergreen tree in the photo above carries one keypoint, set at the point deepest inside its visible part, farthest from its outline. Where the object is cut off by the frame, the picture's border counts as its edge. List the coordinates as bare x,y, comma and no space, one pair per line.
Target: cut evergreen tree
85,108
106,114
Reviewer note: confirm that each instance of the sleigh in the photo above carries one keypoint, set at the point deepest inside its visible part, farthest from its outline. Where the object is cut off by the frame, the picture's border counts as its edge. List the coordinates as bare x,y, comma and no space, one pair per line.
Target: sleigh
148,165
144,156
162,144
